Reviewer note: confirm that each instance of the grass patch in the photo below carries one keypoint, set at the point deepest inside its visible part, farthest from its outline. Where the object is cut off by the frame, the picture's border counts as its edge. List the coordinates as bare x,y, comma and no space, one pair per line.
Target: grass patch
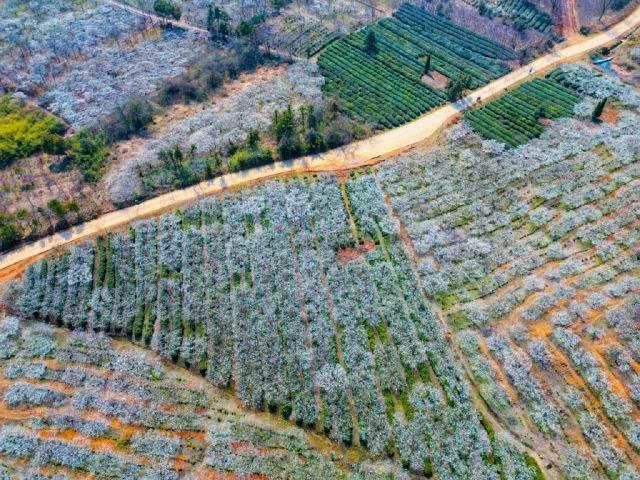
533,465
25,130
447,300
249,157
459,321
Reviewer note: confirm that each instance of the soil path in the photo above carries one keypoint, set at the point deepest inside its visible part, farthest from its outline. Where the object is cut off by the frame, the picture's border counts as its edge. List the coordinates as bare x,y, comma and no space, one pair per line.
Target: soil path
366,152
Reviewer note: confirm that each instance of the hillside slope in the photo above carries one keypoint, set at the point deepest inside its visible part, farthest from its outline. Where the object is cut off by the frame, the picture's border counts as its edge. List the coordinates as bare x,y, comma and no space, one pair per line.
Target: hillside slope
84,406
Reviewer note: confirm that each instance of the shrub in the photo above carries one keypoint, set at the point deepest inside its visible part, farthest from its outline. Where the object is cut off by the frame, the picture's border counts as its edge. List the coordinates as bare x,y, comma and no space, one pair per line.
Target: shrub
180,90
62,208
88,153
9,231
25,131
246,157
130,119
167,9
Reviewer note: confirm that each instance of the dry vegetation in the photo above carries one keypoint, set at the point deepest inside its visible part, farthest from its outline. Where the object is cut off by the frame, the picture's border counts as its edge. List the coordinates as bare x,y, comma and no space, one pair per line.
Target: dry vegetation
626,61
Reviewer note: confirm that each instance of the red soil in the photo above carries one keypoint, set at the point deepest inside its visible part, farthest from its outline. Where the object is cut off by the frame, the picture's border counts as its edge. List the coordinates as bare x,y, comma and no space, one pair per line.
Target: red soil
346,255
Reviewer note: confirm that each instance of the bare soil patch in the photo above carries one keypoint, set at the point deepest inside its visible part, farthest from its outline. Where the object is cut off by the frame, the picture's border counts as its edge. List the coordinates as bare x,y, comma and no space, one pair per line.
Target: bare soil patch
29,184
347,255
610,114
435,80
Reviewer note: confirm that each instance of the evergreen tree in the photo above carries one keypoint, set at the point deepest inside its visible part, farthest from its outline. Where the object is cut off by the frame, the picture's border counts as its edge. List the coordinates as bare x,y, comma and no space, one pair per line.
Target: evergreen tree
599,108
283,123
223,30
253,138
541,112
218,23
455,87
427,65
286,132
166,9
312,137
210,18
371,44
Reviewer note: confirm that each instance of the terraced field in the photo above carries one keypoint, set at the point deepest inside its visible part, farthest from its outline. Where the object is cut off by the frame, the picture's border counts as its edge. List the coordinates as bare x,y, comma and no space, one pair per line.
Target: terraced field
84,406
385,87
466,311
534,258
522,12
302,37
515,118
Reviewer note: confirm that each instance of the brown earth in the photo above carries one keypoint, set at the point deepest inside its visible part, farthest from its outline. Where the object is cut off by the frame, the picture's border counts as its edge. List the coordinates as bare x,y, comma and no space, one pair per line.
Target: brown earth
435,79
610,114
348,254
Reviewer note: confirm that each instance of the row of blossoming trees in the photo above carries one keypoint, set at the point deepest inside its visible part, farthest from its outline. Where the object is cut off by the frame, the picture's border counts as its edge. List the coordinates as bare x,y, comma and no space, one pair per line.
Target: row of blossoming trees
533,254
300,297
81,404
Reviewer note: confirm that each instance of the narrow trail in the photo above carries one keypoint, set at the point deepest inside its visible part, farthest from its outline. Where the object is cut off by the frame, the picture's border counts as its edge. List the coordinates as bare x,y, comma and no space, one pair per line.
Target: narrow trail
358,154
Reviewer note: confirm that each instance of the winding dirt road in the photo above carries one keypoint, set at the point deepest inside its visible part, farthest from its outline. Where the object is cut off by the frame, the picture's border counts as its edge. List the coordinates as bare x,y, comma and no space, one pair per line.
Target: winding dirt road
358,154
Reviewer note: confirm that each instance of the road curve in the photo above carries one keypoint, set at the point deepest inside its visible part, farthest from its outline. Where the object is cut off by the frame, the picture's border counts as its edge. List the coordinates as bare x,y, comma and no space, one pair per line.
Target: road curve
362,153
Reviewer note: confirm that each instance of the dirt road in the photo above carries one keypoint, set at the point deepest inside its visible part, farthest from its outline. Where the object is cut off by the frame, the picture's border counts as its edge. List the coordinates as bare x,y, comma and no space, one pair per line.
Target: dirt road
362,153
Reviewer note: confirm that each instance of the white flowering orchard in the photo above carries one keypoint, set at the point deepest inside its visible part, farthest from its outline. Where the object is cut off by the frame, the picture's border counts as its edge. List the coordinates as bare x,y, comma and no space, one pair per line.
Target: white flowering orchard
298,295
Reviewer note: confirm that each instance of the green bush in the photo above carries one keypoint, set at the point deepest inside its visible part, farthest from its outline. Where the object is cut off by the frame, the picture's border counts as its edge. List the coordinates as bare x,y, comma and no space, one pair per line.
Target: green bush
89,154
245,158
25,131
167,9
9,232
62,208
